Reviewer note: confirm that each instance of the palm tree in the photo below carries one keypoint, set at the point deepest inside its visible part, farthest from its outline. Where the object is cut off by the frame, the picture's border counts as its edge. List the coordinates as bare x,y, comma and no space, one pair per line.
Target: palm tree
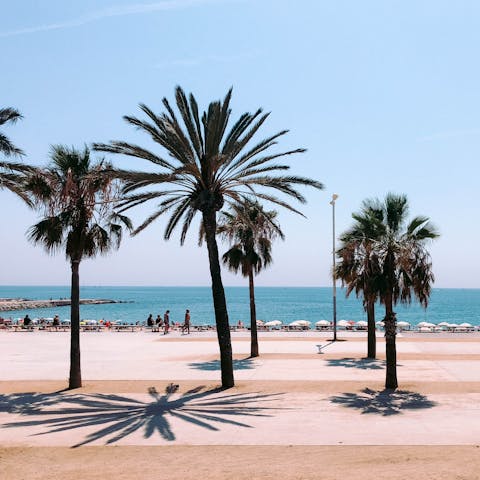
359,268
207,166
9,115
12,173
402,266
77,195
251,229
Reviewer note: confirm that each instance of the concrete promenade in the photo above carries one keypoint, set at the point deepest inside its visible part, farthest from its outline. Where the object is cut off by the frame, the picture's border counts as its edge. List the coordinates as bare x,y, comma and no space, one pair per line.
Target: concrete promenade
291,395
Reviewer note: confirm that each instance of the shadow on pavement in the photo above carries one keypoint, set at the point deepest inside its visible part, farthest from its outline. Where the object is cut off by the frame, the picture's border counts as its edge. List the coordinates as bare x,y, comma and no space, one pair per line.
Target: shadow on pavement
361,363
118,416
244,364
383,402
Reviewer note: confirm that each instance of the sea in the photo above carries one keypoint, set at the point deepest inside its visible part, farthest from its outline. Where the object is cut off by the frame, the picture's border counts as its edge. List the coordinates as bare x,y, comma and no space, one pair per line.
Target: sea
286,304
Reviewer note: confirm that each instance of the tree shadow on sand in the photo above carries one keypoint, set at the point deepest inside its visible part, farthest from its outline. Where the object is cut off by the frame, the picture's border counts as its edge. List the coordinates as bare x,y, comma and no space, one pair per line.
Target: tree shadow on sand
360,363
383,402
243,364
118,416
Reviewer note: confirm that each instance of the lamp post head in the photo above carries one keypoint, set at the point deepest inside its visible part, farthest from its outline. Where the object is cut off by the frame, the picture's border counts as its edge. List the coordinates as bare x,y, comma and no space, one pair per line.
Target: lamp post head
334,197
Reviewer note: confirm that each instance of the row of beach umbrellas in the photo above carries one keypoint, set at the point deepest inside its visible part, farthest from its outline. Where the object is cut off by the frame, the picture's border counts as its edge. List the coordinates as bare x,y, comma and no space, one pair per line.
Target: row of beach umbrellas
361,323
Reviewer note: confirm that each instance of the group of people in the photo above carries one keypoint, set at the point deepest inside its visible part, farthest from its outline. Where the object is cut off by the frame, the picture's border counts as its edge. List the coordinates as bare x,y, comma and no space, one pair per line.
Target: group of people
165,322
28,322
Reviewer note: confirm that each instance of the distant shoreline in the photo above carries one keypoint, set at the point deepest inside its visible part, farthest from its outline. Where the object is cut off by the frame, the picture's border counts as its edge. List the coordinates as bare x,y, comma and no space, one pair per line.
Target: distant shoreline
11,304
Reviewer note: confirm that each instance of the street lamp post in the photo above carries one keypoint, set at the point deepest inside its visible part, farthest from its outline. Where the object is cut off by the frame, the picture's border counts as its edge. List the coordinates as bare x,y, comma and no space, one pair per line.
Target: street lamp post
334,276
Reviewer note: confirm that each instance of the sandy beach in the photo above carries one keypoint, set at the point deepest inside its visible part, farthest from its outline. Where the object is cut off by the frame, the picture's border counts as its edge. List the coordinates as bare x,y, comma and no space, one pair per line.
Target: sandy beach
295,413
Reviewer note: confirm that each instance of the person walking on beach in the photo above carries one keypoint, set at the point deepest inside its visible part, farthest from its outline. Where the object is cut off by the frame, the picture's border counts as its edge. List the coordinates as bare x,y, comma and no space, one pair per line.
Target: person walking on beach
186,324
166,322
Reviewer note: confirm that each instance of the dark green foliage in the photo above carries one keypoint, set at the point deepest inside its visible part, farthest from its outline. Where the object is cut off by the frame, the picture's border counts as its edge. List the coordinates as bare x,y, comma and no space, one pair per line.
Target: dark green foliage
77,197
12,174
386,258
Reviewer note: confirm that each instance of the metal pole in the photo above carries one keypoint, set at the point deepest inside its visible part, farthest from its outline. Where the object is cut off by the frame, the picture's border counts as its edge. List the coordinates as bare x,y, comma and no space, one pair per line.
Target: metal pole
334,276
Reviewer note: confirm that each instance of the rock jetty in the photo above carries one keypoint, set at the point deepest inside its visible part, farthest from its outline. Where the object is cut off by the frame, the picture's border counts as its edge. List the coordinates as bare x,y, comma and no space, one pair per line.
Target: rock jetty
8,304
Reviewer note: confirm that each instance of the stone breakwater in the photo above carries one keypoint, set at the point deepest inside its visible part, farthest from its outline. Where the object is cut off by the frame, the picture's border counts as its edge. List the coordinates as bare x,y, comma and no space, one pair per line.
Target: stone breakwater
24,304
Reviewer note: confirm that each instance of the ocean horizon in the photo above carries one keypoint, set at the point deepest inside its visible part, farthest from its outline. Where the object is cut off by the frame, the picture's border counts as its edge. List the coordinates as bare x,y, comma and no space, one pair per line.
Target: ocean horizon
273,303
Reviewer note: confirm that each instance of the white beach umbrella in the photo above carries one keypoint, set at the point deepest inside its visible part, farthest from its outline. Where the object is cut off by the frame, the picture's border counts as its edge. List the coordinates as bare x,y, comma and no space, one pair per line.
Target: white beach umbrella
323,323
453,325
273,323
443,324
303,323
466,324
380,324
361,323
260,322
426,324
294,324
343,323
403,324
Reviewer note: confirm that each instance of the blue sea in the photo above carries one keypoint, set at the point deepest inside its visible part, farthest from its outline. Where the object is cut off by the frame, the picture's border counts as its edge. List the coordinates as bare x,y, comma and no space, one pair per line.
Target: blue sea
273,303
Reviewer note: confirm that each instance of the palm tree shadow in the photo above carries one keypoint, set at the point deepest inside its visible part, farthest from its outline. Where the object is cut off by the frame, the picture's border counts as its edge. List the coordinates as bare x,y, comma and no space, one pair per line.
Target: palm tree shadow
384,402
243,364
360,363
118,416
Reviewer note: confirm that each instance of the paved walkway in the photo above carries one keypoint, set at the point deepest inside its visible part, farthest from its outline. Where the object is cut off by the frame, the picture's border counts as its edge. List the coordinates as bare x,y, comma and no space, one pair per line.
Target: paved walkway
292,395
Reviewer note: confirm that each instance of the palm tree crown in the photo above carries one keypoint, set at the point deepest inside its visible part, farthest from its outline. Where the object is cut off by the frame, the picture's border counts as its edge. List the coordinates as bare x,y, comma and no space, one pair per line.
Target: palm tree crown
401,248
9,115
77,196
207,165
251,230
12,173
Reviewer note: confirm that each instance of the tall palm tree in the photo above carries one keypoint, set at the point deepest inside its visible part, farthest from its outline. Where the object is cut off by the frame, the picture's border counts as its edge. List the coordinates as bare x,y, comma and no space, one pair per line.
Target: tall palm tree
404,263
77,196
12,173
207,165
359,268
251,229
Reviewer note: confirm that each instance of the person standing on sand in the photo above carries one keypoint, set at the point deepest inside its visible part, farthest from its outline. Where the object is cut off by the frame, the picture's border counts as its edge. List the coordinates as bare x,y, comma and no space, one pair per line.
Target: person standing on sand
166,322
186,325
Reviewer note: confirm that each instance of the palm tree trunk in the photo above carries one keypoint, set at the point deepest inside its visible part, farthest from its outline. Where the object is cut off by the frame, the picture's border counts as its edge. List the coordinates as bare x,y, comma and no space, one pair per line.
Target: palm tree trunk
390,328
75,379
253,316
372,341
219,301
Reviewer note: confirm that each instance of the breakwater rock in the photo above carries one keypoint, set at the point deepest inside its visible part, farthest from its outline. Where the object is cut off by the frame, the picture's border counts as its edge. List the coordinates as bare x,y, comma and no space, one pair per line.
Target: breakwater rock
8,304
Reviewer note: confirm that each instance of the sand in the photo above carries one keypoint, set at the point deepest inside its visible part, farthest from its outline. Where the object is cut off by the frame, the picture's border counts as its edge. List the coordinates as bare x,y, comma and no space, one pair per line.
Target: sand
293,414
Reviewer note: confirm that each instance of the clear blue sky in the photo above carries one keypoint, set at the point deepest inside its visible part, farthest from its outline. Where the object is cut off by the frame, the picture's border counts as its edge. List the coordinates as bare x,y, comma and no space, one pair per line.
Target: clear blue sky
384,94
